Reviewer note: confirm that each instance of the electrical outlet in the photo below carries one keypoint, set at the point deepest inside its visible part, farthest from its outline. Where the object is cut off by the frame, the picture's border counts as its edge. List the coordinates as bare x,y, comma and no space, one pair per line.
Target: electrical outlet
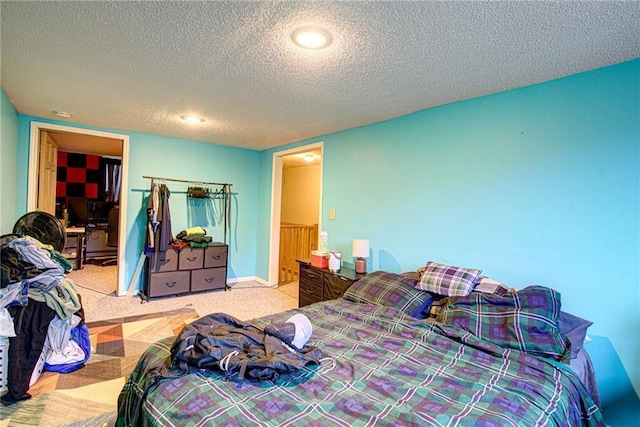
332,213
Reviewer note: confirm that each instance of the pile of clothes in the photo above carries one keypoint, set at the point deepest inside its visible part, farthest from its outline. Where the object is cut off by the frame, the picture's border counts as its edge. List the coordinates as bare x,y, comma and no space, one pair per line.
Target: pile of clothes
194,237
40,313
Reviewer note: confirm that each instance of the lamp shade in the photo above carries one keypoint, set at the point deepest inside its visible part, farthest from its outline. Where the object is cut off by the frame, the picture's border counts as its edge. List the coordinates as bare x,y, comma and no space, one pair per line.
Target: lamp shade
360,248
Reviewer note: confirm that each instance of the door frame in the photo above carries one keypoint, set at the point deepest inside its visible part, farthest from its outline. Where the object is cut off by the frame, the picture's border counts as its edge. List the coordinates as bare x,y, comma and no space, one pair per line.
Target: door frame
276,203
32,189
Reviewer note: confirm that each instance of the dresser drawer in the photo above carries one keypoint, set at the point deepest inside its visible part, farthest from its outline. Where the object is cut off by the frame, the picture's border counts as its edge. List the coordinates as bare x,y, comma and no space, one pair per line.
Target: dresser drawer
170,283
208,278
163,261
310,291
303,300
308,274
335,286
191,259
215,256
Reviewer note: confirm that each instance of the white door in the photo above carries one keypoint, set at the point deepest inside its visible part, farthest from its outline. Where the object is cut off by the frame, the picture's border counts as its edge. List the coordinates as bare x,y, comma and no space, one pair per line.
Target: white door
47,170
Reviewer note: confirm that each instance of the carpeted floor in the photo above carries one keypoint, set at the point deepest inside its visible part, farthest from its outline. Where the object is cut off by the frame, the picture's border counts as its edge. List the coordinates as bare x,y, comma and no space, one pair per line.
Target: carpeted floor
88,396
289,289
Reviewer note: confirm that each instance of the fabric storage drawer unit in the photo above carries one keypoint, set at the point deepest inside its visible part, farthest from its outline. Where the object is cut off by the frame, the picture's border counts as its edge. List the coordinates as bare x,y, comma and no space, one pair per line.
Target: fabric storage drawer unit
187,270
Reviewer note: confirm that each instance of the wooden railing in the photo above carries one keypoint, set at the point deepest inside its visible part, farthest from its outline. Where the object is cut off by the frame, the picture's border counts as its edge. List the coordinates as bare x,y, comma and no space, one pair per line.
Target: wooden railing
296,241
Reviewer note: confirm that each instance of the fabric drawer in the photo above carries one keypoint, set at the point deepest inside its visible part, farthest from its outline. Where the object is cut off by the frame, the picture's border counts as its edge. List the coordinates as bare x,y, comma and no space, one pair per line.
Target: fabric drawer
191,259
335,286
163,261
215,256
208,278
170,283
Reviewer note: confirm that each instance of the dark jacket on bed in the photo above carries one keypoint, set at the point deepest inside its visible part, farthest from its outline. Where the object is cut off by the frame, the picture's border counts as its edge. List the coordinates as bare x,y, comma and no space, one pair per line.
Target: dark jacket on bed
221,342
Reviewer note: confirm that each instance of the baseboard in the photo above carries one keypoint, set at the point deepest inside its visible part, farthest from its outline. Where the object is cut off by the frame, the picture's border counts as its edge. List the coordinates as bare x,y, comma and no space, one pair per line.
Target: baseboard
249,278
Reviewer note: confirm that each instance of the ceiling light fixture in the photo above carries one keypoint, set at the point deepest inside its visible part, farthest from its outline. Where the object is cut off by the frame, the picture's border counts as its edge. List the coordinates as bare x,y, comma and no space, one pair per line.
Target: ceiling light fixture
62,114
309,158
311,38
192,119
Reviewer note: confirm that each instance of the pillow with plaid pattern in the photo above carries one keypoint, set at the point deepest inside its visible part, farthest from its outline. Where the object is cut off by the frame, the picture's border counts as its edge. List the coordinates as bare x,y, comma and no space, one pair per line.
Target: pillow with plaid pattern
390,290
448,280
525,320
491,286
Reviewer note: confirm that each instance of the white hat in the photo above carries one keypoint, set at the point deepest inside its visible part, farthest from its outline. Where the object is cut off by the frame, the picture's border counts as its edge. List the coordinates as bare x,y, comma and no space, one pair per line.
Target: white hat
303,329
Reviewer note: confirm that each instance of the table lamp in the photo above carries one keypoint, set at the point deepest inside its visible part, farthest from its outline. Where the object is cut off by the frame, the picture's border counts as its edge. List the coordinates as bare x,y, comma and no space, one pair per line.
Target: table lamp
360,250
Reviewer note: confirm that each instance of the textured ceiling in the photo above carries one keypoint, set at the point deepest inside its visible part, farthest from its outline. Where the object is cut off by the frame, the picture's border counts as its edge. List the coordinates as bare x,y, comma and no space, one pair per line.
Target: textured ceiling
138,66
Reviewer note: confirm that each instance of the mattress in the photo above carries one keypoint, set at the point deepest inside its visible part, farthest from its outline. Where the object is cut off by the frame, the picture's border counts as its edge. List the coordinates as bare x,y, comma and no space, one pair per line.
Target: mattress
380,367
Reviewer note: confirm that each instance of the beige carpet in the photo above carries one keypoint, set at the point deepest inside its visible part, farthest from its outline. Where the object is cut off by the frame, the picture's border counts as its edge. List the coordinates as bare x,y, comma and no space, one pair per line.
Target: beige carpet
289,289
245,300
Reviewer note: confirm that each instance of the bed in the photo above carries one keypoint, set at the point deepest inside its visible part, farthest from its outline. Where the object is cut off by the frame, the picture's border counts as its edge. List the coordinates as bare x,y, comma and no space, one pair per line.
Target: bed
387,362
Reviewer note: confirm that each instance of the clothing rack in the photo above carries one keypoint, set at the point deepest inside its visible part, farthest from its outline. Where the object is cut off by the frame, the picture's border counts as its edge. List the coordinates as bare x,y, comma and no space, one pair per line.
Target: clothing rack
223,192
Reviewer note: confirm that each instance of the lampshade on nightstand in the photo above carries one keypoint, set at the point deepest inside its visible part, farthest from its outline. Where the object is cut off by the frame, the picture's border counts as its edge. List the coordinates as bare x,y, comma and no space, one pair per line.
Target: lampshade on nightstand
360,250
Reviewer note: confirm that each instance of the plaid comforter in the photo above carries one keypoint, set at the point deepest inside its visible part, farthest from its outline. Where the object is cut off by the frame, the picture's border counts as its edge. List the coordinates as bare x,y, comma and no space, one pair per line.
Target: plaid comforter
380,368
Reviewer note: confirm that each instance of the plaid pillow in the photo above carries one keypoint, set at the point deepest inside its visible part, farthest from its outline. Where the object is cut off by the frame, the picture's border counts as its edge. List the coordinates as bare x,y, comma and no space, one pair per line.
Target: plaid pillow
390,290
526,320
448,280
491,286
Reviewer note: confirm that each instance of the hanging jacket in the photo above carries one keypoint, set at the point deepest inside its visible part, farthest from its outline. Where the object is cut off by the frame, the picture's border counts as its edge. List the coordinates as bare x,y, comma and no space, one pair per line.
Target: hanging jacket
221,342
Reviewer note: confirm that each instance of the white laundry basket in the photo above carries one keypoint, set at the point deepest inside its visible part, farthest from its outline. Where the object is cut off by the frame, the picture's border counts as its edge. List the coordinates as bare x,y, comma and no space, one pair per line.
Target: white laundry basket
4,358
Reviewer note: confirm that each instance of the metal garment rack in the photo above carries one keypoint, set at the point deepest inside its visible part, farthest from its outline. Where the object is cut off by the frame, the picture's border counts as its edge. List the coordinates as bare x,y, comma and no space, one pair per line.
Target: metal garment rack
223,193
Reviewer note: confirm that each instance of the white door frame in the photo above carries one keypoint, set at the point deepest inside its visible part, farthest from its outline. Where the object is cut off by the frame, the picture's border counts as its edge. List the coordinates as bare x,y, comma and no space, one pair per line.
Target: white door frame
276,203
34,147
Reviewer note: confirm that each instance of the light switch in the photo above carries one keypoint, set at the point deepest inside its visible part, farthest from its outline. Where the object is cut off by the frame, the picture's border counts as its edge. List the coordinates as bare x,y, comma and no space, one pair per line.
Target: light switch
332,213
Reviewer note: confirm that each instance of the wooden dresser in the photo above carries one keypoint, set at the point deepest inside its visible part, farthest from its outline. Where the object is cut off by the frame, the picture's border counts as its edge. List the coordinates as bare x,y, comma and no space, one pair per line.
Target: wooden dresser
187,270
320,284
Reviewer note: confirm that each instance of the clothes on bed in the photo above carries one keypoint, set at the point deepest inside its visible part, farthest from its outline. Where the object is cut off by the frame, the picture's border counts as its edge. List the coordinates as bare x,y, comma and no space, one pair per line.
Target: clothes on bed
294,332
240,350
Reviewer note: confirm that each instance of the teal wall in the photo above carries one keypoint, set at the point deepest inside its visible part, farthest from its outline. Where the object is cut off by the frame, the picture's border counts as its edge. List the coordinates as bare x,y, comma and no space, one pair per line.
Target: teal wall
8,158
151,155
538,185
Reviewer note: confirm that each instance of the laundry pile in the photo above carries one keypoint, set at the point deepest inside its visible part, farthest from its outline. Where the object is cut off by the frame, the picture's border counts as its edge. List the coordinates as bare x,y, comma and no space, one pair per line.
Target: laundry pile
194,237
40,314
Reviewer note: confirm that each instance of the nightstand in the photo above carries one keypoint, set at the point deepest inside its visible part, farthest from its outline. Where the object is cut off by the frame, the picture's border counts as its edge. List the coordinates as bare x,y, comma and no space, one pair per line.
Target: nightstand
320,284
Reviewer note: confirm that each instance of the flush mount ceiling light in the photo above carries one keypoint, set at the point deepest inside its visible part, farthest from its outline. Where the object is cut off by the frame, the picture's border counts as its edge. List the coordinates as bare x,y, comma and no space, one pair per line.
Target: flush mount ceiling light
192,119
311,38
309,158
62,114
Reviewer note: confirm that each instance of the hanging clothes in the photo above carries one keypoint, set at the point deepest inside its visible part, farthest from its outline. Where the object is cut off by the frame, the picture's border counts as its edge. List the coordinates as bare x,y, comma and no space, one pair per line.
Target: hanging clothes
166,236
159,234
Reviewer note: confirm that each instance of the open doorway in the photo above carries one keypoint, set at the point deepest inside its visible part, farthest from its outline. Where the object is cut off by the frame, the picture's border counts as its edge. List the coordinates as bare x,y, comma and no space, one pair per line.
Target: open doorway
293,208
94,145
